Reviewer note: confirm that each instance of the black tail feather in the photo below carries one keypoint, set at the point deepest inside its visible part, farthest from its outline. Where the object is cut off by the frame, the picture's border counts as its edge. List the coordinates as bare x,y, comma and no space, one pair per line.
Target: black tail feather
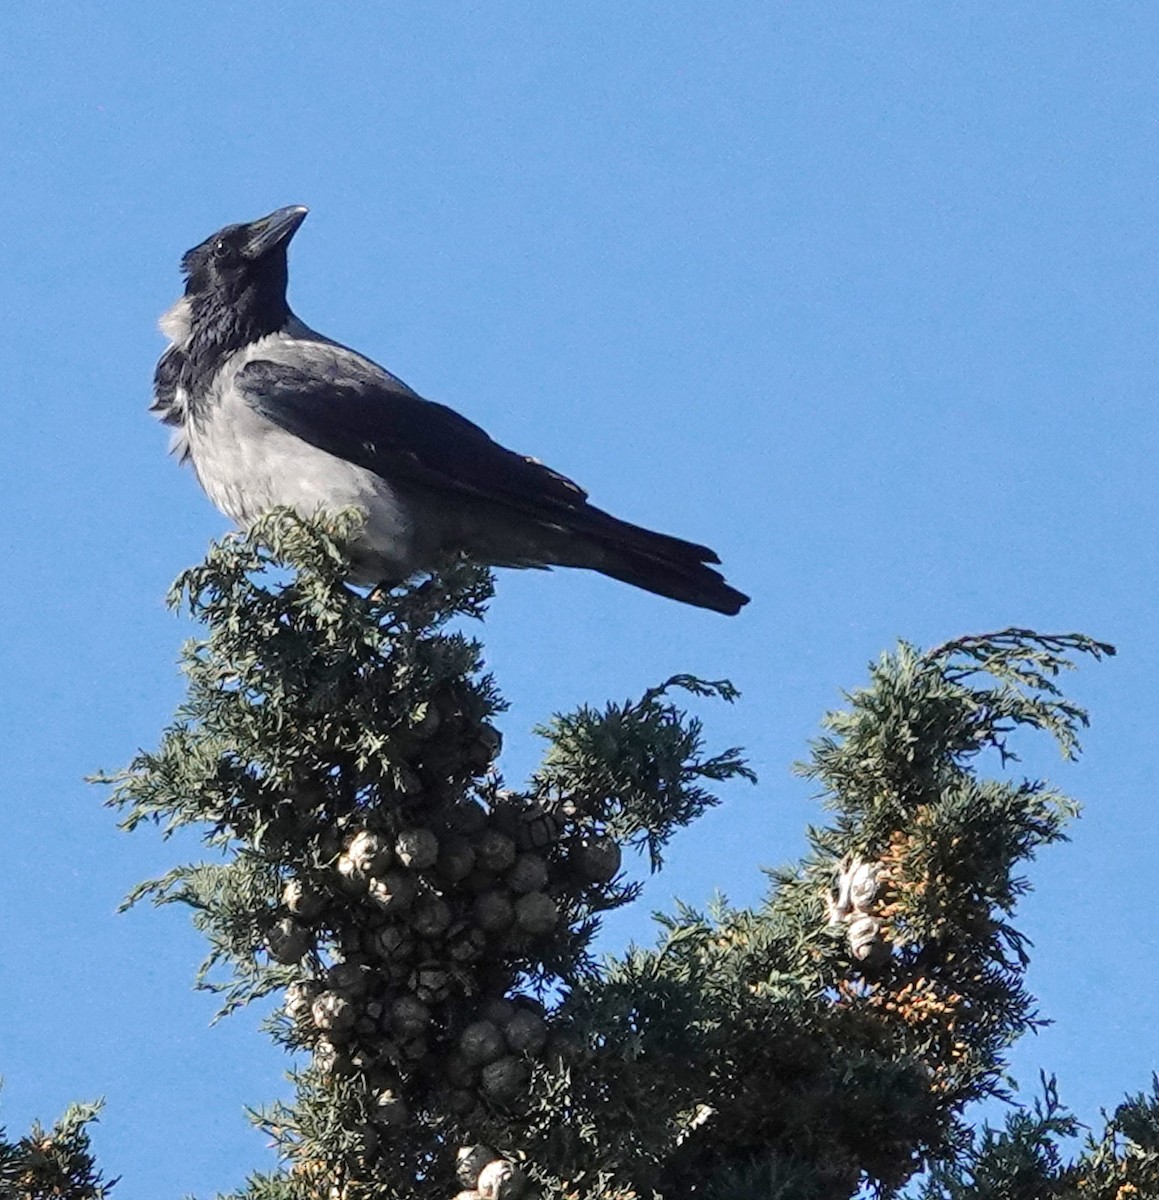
666,566
701,586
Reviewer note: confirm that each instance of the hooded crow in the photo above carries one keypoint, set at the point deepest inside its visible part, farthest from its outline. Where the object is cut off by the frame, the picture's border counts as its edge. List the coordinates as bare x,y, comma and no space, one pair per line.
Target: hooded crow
271,413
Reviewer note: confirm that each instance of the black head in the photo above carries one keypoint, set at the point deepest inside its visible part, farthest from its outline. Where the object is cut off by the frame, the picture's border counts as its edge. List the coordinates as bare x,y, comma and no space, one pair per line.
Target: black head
235,282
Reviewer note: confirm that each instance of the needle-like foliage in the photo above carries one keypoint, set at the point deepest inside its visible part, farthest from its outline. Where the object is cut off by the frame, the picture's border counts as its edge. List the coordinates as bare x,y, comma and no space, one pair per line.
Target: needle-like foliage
53,1164
430,927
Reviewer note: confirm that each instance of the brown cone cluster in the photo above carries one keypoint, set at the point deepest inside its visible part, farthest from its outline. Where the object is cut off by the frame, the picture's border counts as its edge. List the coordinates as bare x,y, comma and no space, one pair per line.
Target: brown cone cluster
414,933
855,902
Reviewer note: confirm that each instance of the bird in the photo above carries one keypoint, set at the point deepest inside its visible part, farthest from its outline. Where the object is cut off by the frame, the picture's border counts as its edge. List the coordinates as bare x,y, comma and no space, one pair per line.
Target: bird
270,413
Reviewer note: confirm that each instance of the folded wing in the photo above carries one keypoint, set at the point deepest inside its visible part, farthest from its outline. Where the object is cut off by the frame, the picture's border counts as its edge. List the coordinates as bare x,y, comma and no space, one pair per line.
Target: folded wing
346,405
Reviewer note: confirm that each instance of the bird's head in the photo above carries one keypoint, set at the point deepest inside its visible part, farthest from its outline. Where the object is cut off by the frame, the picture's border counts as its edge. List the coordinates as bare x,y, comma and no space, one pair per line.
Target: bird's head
235,281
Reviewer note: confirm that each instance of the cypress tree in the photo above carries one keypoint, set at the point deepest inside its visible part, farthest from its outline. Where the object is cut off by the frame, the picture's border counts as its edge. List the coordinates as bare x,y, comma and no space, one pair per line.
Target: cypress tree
428,927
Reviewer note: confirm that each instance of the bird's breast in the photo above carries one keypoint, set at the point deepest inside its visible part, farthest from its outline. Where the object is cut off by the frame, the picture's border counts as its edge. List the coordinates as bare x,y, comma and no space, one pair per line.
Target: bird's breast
247,464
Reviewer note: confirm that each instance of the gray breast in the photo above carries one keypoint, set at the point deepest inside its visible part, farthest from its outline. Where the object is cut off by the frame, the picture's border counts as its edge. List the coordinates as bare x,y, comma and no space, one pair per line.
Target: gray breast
247,464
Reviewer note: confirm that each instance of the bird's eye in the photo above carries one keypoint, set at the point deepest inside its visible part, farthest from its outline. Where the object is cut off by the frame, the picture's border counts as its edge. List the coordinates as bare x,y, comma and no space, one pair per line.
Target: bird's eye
221,247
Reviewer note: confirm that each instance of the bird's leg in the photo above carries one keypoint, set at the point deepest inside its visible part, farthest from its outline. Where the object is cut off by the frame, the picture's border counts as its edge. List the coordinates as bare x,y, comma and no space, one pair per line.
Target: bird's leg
425,589
380,593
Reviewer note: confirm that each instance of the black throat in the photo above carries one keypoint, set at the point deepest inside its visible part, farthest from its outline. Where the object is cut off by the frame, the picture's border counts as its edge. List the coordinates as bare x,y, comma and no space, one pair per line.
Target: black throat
232,304
219,330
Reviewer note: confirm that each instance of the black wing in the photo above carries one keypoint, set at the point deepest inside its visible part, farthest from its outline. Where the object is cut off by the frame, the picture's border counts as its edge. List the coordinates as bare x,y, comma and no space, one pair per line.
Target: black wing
167,403
343,404
348,406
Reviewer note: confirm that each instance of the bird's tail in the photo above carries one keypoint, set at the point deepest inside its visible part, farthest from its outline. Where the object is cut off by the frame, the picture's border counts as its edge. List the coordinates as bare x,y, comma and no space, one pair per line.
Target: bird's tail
665,565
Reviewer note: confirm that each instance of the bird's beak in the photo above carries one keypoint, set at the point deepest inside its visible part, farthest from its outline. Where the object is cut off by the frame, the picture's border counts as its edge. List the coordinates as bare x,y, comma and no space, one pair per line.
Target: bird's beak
274,230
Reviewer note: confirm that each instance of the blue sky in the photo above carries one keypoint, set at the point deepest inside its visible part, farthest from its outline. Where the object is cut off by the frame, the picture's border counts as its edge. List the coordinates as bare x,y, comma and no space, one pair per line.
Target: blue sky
862,295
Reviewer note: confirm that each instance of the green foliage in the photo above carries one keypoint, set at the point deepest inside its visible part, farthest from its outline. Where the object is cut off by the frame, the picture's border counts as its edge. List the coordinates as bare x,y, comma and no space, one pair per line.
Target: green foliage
432,927
53,1164
755,1045
636,767
1124,1161
337,752
1025,1161
1022,1161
